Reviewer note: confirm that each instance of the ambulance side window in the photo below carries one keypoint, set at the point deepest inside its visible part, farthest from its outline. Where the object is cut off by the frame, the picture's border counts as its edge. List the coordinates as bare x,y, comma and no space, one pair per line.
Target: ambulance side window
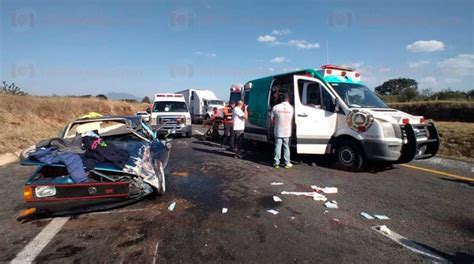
328,104
310,93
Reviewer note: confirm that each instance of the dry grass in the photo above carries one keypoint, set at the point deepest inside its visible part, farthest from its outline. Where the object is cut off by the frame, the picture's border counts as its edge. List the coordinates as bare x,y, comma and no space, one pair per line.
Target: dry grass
28,119
457,139
459,111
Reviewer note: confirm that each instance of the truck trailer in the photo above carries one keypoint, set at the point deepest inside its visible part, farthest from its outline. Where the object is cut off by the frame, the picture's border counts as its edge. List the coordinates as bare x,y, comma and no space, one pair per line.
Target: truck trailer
201,103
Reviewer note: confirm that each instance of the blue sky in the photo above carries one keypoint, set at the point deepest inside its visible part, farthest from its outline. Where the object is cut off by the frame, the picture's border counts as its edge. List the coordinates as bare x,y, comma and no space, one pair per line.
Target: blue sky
143,47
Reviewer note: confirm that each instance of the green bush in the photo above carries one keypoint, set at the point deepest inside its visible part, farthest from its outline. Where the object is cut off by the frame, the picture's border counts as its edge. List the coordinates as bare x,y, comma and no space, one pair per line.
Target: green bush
439,110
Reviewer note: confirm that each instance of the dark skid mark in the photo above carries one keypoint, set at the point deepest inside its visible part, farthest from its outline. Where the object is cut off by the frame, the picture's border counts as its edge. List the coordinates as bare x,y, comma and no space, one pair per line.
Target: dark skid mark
62,252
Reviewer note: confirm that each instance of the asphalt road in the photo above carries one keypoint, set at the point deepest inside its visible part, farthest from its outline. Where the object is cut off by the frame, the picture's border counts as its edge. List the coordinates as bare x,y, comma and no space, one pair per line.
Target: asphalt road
433,210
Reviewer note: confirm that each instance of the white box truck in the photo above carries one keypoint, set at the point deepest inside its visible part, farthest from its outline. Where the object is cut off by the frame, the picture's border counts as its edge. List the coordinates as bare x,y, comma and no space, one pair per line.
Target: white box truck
201,103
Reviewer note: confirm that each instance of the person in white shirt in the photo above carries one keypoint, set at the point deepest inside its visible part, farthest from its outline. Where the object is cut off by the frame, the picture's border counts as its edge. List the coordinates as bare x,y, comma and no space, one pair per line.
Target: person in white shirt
282,118
239,115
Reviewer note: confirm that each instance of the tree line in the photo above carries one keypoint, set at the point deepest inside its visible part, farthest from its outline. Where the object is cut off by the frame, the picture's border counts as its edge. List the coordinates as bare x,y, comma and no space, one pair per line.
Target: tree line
406,90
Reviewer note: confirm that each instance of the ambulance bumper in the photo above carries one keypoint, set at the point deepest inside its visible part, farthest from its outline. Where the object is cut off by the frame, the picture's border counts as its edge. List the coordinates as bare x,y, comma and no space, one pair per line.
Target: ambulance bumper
382,150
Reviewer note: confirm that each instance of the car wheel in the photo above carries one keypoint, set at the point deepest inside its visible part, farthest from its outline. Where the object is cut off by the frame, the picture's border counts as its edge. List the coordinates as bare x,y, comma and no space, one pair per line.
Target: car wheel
349,156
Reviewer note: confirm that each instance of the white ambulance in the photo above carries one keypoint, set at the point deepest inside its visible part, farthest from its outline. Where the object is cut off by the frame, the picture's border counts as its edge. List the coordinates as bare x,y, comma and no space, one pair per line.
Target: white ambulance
336,114
170,113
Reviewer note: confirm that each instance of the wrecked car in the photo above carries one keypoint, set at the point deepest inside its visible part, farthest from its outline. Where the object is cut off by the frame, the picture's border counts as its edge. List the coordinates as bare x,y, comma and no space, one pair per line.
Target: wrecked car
95,164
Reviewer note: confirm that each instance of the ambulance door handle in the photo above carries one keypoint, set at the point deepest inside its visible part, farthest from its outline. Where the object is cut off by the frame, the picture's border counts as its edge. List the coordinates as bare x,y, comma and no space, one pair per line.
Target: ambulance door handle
303,115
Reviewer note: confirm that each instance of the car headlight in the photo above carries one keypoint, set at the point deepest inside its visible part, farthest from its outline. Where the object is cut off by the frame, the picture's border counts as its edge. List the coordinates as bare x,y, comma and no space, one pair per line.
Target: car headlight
188,120
388,131
45,191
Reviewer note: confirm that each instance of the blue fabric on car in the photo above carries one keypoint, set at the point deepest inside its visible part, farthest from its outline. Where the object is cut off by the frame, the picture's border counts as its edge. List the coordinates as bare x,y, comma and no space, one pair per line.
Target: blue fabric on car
73,162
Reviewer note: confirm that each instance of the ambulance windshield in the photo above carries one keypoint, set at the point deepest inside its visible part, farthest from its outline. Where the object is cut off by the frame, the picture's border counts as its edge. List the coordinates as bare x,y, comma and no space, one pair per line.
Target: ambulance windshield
358,96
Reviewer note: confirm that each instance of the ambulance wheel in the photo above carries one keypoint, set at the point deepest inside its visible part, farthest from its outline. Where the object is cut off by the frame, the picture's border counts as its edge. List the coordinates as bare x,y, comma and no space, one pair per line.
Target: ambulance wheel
189,134
349,155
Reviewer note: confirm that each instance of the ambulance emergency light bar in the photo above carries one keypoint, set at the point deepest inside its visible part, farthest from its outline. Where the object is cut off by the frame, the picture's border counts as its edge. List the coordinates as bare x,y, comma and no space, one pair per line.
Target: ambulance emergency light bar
333,70
236,88
168,95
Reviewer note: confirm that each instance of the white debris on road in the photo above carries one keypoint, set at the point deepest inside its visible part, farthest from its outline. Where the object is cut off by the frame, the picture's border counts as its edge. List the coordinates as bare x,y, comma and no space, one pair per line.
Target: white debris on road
331,204
316,196
276,183
225,210
272,211
277,199
381,217
367,216
324,189
172,206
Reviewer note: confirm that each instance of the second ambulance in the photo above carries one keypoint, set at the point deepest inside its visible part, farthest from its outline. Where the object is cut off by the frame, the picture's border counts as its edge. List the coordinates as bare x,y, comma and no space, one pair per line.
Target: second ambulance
336,114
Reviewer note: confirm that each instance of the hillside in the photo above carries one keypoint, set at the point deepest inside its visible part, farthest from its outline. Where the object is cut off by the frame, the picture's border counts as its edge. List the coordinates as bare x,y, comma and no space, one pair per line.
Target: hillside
27,119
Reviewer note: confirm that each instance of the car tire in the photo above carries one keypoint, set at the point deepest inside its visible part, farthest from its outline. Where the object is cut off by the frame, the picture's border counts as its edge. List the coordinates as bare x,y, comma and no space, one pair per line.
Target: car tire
189,134
349,155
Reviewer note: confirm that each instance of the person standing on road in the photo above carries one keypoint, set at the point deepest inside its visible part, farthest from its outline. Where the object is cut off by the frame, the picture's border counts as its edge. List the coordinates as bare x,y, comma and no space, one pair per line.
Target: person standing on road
282,118
228,131
239,115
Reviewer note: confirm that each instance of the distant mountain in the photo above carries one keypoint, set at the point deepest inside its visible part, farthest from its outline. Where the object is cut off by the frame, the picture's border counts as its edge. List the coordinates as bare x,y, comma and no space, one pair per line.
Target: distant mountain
120,96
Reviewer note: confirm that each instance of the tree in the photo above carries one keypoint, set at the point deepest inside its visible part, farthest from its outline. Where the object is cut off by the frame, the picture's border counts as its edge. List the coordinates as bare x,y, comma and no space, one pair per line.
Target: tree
146,99
101,97
11,89
405,89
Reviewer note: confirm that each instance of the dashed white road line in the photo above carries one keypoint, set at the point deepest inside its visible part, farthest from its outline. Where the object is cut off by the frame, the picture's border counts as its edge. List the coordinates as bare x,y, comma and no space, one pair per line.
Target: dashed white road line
199,132
34,248
155,255
411,245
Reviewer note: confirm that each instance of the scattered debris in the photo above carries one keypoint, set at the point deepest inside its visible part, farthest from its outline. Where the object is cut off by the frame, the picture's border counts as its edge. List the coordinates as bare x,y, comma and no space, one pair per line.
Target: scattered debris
272,211
381,217
225,210
276,183
375,216
172,206
331,204
384,229
316,196
325,189
180,173
277,199
367,216
411,245
326,211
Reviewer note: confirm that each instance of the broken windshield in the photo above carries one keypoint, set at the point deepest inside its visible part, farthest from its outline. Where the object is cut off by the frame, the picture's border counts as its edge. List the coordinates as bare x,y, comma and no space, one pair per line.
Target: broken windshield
358,96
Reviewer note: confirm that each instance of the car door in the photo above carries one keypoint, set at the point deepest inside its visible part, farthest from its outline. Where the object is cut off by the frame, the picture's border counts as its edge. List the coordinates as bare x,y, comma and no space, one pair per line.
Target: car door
315,117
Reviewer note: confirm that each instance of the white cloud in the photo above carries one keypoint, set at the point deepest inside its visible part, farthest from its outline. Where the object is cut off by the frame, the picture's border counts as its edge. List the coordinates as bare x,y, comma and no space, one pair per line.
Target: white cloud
278,60
428,82
281,32
355,65
425,46
271,69
200,53
303,44
266,38
460,65
418,63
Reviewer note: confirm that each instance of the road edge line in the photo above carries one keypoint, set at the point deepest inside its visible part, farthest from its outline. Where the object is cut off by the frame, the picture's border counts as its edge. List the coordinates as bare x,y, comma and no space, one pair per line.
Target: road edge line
438,172
34,248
